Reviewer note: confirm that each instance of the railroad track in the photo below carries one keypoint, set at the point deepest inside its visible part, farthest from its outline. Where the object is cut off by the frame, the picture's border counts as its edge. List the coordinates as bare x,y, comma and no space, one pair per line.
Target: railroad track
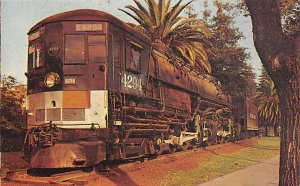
27,176
64,176
73,177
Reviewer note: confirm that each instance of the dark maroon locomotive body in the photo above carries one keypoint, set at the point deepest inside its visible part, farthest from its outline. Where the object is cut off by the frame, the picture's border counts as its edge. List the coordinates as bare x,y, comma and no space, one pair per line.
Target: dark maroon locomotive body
100,90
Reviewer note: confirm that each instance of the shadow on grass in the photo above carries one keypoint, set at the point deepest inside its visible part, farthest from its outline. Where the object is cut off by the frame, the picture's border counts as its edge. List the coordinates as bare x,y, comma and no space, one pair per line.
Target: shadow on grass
235,157
256,147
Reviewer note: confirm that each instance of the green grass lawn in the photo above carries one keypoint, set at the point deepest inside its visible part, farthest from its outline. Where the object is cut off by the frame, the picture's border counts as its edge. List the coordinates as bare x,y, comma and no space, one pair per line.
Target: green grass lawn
224,163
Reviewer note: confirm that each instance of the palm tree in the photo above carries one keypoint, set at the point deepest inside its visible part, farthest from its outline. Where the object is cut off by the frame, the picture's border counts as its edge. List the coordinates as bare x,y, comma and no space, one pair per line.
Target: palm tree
183,37
267,101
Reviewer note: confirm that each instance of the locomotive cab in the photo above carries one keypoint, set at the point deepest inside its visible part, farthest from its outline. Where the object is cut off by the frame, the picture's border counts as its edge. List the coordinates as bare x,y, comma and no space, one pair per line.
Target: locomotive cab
79,62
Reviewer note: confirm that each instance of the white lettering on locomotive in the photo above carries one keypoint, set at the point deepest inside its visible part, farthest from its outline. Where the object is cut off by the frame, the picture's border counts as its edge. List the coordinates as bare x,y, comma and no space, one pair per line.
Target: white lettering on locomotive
70,81
132,81
88,27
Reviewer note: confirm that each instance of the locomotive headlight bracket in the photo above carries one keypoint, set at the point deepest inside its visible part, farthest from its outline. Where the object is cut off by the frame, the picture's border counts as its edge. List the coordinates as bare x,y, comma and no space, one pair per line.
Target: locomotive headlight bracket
51,79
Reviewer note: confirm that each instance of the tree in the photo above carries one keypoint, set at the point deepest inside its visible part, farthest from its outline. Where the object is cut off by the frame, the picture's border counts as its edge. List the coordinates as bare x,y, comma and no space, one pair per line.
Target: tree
190,11
227,58
290,10
279,52
183,36
12,120
267,101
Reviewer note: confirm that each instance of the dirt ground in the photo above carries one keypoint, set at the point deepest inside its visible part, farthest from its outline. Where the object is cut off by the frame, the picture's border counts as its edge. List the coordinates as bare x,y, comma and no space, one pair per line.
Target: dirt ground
149,172
12,161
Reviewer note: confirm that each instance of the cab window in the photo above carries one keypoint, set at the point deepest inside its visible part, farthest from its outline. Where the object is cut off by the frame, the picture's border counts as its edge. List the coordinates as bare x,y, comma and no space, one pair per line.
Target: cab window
74,49
36,56
134,57
96,48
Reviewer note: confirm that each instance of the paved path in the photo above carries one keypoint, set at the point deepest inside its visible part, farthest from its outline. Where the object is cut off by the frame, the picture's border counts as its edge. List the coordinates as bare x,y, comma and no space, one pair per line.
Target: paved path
261,174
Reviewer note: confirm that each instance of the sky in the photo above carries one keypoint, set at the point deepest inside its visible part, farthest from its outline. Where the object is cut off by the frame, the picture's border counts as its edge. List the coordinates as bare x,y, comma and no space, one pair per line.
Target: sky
18,16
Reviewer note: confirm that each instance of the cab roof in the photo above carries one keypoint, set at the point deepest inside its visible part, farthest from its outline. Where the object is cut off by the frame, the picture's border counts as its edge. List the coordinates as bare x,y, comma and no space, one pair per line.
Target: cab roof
89,15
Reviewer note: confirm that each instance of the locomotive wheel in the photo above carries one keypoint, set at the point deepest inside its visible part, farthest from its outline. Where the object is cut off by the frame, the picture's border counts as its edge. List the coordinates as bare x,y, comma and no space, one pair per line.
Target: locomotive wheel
212,142
195,144
141,159
158,150
185,146
199,141
219,139
223,140
172,149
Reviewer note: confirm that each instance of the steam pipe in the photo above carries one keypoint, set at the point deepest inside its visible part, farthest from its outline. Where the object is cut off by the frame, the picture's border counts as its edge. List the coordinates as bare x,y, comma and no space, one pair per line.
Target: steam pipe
141,109
152,120
146,130
145,125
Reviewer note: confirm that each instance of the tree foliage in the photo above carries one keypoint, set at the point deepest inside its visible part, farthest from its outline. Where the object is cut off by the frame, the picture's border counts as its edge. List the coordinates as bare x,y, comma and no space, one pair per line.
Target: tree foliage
184,36
12,120
290,11
289,14
227,58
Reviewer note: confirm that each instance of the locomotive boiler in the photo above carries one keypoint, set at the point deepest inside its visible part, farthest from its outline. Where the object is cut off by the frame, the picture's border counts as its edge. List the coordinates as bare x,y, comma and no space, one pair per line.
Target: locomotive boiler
99,90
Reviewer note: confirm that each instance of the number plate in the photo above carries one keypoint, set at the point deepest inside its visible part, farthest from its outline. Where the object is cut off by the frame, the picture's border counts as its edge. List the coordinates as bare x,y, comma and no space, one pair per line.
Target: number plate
132,82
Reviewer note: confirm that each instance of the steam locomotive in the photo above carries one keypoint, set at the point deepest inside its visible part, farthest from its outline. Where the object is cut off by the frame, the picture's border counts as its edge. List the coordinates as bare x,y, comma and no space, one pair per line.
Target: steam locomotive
98,90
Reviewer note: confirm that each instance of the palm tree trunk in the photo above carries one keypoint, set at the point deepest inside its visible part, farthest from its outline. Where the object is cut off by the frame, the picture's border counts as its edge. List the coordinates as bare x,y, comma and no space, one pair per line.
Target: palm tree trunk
266,127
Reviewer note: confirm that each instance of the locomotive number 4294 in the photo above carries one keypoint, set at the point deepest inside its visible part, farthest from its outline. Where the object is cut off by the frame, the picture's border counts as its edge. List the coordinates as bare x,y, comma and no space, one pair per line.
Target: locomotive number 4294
132,81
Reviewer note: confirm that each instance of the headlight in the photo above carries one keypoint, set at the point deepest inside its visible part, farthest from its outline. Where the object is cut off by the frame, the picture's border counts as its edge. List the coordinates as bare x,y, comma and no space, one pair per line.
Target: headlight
51,79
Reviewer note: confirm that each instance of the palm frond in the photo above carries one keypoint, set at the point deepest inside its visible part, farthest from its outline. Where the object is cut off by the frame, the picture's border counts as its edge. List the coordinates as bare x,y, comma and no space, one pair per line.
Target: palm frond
154,12
184,36
267,101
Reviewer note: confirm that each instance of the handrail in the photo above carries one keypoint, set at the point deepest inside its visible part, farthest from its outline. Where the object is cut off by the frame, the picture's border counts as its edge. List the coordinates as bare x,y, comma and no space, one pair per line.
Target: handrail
61,124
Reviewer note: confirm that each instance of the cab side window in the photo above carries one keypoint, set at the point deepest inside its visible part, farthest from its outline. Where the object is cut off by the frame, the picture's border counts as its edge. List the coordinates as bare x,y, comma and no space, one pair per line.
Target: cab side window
36,55
134,54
